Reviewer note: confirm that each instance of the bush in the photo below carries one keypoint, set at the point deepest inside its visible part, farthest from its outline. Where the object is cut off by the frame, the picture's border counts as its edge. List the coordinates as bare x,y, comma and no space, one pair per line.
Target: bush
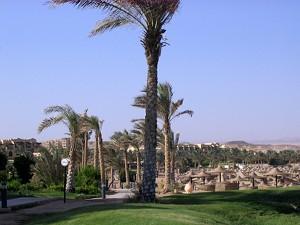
56,188
3,176
88,190
14,185
3,161
87,181
23,168
29,187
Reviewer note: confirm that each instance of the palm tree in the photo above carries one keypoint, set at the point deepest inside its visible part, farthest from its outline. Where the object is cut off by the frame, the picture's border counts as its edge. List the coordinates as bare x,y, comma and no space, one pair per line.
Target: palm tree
114,159
167,110
47,168
66,115
94,123
138,133
122,140
151,16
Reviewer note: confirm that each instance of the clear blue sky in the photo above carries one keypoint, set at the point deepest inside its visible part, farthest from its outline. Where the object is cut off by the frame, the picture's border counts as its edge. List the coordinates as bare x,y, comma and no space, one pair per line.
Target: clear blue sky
236,63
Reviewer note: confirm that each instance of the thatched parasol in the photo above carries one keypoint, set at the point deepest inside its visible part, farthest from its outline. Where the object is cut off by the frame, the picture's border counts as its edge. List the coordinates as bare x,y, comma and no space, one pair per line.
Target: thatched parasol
238,179
275,172
218,170
202,175
254,176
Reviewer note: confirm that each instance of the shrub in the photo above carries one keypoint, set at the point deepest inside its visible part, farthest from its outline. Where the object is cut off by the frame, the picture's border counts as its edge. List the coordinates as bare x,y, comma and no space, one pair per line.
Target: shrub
56,188
87,181
23,168
3,161
29,187
14,185
3,176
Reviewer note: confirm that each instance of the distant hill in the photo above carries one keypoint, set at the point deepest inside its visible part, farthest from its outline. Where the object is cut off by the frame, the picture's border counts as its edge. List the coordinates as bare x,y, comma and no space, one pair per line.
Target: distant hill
261,147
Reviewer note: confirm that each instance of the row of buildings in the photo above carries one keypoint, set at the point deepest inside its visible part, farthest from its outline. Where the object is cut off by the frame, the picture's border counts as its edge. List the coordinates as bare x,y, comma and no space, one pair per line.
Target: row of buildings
14,147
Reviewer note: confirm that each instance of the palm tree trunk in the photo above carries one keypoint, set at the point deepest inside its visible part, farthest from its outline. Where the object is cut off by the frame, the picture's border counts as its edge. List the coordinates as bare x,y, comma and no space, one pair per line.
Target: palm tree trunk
84,151
70,186
101,158
138,166
167,156
126,168
150,143
96,153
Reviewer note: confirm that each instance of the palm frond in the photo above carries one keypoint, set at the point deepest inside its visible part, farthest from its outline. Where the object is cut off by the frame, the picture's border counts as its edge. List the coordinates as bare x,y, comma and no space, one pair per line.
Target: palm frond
46,123
109,24
189,112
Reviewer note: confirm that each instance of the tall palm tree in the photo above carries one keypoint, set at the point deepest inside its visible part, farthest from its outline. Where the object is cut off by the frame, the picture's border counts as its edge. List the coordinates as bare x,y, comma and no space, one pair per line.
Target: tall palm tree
66,115
94,123
167,110
151,16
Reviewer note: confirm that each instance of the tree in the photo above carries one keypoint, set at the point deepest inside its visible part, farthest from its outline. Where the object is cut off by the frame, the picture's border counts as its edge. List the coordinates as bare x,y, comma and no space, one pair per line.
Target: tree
122,140
74,122
151,16
48,169
167,110
138,133
23,167
3,161
94,123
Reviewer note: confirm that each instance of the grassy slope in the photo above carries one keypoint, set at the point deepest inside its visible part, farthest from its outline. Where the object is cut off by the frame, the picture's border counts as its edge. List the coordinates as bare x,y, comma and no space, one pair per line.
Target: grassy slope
259,207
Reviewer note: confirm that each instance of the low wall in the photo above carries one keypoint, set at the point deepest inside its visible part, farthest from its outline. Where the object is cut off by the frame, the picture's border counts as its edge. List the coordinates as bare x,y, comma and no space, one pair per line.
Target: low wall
209,187
227,186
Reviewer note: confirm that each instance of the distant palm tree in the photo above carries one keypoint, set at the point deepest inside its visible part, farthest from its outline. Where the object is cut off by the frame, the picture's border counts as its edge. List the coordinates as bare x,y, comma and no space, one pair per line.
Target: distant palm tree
151,16
95,124
122,140
167,110
47,168
138,133
67,116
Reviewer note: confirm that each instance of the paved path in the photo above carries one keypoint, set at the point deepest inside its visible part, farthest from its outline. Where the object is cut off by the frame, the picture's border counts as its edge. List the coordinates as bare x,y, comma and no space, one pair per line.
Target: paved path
20,209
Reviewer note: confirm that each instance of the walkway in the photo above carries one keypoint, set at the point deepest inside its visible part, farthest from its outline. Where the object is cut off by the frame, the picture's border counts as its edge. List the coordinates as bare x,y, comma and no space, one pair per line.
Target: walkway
21,208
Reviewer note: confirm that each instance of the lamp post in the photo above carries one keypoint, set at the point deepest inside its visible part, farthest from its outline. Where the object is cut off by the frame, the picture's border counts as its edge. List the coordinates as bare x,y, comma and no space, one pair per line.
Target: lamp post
64,162
4,195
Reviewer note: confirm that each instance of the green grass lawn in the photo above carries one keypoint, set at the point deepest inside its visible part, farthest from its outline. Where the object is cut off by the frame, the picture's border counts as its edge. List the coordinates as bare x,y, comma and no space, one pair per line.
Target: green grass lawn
48,193
255,207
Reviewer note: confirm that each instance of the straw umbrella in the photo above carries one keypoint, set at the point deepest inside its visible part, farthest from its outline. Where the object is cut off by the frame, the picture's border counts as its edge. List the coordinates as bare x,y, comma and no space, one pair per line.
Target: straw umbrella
219,170
238,179
275,172
254,176
202,175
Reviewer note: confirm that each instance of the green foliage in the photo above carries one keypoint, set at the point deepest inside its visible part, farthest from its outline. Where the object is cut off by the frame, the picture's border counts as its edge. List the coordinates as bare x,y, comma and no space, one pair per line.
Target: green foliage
87,181
29,187
3,176
3,161
23,168
56,188
48,169
14,185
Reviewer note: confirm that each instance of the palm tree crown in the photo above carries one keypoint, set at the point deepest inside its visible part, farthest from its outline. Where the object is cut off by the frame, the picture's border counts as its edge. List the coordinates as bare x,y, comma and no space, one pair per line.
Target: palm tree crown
74,122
